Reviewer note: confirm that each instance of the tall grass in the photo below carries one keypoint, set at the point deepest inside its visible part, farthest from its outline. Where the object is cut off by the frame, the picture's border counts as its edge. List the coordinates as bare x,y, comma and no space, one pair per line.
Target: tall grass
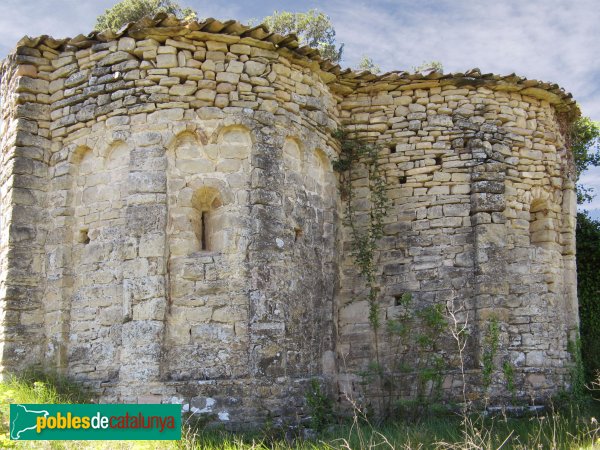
570,427
36,386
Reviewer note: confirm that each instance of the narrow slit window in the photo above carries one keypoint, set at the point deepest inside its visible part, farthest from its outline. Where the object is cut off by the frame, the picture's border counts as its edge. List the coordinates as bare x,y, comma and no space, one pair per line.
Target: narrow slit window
208,220
203,232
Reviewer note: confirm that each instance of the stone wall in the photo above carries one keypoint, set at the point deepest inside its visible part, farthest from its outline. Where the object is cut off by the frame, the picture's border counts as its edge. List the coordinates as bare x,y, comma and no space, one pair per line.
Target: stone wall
481,221
172,226
24,174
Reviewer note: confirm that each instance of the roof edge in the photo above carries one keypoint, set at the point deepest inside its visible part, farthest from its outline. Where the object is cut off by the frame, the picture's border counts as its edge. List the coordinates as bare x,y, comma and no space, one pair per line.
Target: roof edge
341,80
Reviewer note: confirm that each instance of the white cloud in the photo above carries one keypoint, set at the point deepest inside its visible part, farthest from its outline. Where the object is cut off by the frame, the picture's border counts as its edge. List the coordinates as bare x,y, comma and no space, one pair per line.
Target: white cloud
548,40
68,18
591,178
594,214
551,40
59,18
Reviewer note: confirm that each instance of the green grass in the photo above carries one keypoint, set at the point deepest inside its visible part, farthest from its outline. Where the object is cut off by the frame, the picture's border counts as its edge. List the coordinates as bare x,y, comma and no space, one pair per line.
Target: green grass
572,427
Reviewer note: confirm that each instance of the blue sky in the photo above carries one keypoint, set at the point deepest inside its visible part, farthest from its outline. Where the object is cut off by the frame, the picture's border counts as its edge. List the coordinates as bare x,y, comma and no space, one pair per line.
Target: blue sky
549,40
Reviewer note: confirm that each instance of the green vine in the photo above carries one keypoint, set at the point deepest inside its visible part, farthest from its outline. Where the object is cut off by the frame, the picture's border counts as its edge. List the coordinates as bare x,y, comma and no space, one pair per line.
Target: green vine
364,239
355,152
490,348
509,375
356,158
420,332
319,405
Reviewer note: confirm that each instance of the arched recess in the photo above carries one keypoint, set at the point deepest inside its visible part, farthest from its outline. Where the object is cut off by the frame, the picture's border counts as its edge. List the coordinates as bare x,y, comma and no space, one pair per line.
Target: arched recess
545,264
203,181
324,170
100,190
203,218
208,183
307,237
188,156
208,219
542,229
187,160
74,163
293,156
318,172
235,135
234,144
543,208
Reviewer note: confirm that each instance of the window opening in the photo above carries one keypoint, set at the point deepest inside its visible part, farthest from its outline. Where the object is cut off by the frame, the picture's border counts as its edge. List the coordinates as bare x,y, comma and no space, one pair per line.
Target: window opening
203,233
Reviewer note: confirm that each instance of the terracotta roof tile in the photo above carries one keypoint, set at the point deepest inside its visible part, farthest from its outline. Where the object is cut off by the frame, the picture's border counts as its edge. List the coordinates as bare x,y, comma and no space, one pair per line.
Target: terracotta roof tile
163,26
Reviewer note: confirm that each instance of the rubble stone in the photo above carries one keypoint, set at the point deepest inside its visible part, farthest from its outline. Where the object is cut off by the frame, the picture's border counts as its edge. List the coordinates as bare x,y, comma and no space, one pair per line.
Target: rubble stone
173,228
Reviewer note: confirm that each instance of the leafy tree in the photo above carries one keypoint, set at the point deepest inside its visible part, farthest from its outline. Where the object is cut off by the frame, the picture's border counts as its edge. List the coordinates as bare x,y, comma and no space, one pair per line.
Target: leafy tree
588,291
132,10
313,28
585,144
429,66
366,63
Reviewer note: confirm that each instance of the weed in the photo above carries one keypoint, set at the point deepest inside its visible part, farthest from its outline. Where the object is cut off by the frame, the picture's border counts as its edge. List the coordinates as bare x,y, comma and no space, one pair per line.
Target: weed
490,348
319,405
578,388
570,428
509,375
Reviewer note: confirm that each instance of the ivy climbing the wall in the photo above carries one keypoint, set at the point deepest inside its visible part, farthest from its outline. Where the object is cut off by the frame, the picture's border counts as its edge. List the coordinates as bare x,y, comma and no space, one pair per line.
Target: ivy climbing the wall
416,331
355,153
